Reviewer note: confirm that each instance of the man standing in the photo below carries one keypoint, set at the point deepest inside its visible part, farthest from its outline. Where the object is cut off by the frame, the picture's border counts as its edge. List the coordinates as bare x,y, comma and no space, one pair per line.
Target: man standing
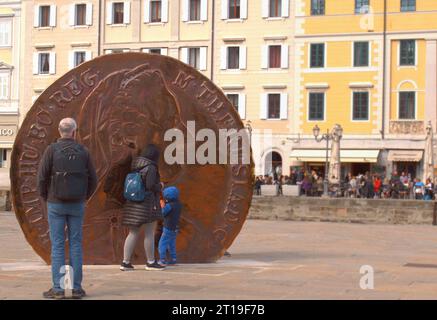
66,179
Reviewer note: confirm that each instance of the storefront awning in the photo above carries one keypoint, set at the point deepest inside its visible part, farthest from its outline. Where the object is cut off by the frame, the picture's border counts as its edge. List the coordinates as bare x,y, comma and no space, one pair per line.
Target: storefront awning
319,155
405,155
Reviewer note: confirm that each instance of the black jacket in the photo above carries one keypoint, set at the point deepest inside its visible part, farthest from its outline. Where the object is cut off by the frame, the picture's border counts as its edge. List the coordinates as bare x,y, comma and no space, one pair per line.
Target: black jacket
45,172
136,214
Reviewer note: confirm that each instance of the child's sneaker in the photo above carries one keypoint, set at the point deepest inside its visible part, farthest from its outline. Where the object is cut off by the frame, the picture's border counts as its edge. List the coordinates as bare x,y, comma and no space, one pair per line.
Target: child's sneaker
155,266
163,263
172,263
126,267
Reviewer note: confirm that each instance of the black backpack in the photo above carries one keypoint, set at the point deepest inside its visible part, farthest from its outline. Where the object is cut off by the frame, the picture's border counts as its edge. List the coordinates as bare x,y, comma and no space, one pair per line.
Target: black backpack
69,172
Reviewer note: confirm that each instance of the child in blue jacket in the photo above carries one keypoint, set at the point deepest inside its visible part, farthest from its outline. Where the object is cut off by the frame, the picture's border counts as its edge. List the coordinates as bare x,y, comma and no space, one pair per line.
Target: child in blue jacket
171,212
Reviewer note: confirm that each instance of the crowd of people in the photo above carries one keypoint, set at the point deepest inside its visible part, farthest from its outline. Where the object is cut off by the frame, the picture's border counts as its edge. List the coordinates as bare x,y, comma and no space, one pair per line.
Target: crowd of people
365,185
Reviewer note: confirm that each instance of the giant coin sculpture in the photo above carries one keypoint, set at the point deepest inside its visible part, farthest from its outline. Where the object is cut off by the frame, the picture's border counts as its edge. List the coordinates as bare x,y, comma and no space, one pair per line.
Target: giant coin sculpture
122,102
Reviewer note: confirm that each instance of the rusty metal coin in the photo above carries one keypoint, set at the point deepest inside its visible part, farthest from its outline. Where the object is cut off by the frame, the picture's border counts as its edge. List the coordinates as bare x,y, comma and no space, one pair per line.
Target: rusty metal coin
123,102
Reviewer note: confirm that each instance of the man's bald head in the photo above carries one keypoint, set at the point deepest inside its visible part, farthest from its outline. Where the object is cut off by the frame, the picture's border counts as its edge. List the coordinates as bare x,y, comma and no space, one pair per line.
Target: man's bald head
67,127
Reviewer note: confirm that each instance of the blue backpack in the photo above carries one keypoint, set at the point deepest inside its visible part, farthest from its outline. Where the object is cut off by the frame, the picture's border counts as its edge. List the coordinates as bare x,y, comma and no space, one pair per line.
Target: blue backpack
134,188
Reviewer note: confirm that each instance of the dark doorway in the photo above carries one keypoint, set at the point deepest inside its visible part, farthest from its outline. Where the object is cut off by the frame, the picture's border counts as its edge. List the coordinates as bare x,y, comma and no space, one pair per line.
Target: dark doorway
360,168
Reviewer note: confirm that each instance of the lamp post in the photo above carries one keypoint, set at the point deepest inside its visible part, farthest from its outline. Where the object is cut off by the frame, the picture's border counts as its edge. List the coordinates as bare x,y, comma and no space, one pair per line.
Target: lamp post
327,136
249,129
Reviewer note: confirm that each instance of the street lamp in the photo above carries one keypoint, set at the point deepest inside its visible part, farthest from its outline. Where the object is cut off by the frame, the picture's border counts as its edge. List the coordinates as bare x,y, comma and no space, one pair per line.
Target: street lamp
327,137
249,129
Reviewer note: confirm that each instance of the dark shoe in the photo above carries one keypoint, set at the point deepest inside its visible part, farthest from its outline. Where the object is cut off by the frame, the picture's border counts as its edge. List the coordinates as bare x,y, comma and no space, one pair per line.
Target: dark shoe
163,263
154,266
172,262
126,267
227,254
78,294
53,294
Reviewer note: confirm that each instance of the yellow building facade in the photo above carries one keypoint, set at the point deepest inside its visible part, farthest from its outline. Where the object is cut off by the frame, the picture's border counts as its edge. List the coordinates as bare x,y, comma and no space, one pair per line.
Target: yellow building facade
10,42
369,66
243,46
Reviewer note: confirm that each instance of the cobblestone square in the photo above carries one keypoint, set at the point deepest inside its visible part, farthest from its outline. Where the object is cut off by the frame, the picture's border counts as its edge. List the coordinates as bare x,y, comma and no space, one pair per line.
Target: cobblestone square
270,260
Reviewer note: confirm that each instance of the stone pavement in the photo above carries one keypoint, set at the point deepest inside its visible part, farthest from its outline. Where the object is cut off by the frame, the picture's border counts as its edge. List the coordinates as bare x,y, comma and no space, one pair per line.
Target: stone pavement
270,260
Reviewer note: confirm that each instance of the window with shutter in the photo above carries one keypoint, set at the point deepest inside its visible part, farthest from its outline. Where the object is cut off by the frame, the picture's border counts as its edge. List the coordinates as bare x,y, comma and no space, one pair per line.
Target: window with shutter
5,33
4,85
80,14
155,10
194,57
194,10
44,63
234,99
275,56
275,8
274,106
234,9
44,16
233,58
118,13
79,57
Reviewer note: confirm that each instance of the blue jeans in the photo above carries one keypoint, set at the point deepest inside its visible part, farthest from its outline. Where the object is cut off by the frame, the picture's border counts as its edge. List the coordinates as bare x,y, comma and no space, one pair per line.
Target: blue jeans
70,215
167,242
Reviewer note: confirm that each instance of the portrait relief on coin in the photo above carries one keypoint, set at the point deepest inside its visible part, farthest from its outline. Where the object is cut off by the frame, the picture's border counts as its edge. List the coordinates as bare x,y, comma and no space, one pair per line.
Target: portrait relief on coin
122,102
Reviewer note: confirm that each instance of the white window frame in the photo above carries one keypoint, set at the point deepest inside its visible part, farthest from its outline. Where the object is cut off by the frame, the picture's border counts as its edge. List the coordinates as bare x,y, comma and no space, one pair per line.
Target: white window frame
126,13
225,10
265,56
283,106
416,96
164,51
71,57
325,116
5,75
88,14
186,11
416,54
242,61
164,12
368,105
241,103
203,57
37,16
325,62
353,54
7,23
265,10
36,63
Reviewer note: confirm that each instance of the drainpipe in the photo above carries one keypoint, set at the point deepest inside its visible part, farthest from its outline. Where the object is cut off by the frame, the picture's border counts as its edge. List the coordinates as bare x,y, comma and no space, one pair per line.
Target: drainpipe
99,30
384,73
212,39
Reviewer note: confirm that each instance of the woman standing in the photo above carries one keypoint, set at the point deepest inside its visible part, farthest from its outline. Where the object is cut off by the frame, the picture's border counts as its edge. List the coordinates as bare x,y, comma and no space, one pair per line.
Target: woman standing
147,213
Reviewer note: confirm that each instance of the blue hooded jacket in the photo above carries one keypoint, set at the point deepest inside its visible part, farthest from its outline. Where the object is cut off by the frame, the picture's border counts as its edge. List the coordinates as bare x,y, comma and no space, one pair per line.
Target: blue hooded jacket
172,209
